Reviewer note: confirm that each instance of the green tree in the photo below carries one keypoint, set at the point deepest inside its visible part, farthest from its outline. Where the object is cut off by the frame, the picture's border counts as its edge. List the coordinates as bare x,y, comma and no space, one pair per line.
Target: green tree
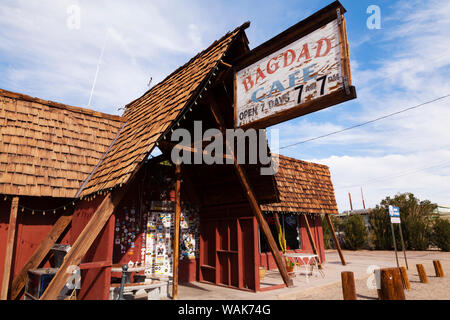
417,221
355,232
441,234
327,234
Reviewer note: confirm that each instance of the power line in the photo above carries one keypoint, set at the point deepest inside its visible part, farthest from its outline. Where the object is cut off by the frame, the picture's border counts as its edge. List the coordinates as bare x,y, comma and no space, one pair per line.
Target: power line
397,175
367,122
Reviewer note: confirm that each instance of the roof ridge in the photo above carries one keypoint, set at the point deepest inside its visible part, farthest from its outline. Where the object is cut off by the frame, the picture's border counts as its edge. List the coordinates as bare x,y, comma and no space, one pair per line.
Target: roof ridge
302,161
242,27
86,111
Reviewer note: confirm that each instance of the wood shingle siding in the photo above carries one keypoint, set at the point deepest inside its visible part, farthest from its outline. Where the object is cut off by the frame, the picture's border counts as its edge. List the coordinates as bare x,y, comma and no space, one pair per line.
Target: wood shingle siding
47,148
304,187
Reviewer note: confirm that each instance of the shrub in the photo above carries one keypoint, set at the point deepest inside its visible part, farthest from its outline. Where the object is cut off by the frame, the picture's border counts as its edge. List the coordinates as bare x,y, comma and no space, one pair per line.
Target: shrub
416,217
355,232
381,229
418,232
441,234
327,234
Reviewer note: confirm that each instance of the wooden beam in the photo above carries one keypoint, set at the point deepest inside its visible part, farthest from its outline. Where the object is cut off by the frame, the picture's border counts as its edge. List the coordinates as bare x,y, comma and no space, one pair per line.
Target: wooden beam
252,200
95,265
311,239
39,254
9,248
83,243
336,242
176,233
226,64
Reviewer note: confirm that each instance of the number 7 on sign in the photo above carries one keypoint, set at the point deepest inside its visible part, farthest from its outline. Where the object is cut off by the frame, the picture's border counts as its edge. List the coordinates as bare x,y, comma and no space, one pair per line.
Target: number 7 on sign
322,88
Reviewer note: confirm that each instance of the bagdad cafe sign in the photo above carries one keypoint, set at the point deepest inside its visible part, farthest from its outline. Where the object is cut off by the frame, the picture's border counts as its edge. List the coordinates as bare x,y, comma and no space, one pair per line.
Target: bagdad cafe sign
304,69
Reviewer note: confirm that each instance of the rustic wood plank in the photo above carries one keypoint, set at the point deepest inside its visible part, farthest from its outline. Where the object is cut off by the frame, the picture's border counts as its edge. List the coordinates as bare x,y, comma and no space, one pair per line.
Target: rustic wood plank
40,253
176,233
9,248
311,239
252,199
83,243
95,265
336,242
314,105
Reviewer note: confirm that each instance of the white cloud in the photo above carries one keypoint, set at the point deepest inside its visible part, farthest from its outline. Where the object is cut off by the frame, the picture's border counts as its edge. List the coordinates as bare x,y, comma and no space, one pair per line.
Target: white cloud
409,152
42,56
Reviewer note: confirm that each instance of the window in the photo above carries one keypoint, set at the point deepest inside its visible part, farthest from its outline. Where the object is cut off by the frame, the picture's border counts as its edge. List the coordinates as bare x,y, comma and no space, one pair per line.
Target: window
289,224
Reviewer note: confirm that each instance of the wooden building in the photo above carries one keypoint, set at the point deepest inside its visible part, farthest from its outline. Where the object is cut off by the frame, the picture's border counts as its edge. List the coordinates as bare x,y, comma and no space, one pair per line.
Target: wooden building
306,191
55,155
47,150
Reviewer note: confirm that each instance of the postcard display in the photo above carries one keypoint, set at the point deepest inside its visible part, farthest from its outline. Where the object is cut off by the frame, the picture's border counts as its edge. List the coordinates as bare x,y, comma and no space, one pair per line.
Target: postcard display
155,240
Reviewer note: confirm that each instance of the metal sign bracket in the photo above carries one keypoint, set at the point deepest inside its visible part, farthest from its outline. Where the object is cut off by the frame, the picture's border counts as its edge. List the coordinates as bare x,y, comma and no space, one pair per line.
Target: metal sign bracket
346,86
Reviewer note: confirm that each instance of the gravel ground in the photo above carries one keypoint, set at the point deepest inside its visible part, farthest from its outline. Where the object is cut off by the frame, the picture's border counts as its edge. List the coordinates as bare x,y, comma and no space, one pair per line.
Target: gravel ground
435,289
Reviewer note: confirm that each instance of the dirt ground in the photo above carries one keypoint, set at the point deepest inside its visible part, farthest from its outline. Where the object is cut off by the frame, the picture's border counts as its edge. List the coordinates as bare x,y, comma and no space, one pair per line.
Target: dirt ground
436,288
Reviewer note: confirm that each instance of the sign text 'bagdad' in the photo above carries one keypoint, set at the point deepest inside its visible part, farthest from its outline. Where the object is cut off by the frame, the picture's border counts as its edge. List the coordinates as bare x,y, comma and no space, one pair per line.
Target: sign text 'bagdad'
301,72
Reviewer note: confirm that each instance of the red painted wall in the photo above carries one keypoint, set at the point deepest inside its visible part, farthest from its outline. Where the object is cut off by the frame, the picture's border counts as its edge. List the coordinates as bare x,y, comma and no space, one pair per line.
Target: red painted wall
315,222
95,282
30,230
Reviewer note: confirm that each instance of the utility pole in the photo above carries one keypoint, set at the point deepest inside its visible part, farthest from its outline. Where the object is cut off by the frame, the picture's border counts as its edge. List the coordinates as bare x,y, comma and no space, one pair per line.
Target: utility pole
362,196
350,199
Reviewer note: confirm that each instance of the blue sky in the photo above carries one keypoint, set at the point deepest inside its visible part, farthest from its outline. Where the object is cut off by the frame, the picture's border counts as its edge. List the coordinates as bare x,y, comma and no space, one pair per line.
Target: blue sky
404,63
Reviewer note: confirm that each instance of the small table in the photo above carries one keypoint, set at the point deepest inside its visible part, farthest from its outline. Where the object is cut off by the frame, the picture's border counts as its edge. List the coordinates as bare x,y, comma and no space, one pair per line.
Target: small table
302,256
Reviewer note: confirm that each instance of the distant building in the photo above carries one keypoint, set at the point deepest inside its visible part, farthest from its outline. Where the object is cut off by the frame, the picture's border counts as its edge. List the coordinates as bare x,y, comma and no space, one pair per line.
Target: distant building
443,211
363,212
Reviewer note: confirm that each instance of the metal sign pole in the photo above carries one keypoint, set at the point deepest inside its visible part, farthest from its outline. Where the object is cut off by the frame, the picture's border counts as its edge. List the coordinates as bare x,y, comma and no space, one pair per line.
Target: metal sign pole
403,244
395,245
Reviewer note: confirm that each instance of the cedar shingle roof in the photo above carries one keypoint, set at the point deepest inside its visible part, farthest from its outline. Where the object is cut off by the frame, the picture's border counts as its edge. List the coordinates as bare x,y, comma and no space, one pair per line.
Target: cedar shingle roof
153,114
304,187
47,148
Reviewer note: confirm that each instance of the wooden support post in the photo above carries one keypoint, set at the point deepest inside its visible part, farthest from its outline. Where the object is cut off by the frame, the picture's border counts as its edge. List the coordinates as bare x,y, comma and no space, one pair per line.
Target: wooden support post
336,241
438,268
9,248
391,284
252,200
311,239
422,274
83,243
405,279
348,285
176,233
39,254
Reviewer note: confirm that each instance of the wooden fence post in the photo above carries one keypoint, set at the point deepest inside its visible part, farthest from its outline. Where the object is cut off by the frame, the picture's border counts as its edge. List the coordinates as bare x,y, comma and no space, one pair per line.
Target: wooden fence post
405,279
391,284
348,285
438,268
422,274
